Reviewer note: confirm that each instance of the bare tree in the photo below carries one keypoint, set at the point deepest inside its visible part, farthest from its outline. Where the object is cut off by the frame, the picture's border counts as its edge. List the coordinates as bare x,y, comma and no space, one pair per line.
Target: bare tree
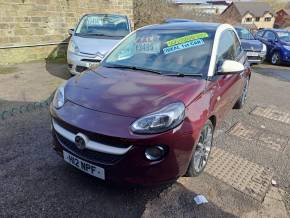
155,11
276,4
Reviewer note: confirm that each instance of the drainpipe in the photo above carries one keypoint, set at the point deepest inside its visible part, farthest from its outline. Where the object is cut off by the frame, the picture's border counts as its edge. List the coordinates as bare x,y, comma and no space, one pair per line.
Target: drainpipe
33,45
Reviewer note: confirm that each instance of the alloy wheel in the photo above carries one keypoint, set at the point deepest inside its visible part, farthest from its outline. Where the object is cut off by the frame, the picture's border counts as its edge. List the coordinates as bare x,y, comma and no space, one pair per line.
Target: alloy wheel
245,92
275,58
203,149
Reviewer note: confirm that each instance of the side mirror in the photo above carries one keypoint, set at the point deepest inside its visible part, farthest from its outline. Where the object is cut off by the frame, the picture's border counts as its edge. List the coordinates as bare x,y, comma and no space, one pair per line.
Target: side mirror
230,67
71,31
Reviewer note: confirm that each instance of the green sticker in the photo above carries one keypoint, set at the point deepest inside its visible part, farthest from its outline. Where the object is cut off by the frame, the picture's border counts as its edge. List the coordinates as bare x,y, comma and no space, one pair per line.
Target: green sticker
188,38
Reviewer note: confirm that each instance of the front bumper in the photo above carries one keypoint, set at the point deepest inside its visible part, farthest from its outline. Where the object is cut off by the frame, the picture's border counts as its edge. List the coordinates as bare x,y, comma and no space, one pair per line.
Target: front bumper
255,57
130,167
286,56
77,63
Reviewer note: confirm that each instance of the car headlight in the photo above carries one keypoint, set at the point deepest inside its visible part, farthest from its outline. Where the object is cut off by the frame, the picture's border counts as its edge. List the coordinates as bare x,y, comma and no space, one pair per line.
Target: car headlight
160,121
264,49
72,47
287,47
59,99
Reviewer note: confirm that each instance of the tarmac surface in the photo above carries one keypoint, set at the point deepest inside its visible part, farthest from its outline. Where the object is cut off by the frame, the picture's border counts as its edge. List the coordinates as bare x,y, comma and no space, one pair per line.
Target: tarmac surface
36,182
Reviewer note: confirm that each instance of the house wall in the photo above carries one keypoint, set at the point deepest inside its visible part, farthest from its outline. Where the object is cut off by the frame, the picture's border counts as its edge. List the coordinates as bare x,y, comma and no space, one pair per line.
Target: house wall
34,29
262,23
231,15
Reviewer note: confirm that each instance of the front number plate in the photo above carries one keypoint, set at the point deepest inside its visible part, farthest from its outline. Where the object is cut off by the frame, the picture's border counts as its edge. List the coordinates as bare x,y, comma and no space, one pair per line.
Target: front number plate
255,54
84,166
92,65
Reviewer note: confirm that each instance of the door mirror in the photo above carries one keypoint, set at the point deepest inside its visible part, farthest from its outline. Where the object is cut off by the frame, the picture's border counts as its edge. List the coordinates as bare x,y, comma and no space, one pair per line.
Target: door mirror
71,31
230,67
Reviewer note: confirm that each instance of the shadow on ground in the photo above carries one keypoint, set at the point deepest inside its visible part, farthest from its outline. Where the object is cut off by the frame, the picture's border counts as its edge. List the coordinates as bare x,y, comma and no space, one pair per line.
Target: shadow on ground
35,181
56,61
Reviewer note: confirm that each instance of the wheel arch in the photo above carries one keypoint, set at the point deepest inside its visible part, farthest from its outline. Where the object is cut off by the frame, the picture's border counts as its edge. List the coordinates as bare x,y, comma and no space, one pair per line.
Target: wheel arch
213,120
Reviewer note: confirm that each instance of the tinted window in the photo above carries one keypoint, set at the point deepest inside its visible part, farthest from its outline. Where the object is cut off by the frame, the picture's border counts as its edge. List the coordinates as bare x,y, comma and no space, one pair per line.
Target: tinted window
227,47
269,35
167,51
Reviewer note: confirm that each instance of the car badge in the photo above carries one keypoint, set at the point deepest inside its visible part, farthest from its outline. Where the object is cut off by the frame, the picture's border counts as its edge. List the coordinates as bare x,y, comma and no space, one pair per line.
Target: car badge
81,141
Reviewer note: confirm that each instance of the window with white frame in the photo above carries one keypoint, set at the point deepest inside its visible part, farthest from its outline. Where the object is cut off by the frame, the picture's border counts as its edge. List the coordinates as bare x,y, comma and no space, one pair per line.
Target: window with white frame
248,19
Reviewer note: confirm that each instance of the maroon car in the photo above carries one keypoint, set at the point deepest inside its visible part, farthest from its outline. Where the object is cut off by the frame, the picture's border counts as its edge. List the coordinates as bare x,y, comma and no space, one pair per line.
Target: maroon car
147,115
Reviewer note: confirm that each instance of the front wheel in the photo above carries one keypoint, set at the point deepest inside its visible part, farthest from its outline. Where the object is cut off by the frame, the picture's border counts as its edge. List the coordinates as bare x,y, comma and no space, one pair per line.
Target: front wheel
276,58
242,100
202,151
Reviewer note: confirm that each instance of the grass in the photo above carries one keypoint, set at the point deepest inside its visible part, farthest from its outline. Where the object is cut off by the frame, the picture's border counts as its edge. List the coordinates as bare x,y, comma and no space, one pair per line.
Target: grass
7,70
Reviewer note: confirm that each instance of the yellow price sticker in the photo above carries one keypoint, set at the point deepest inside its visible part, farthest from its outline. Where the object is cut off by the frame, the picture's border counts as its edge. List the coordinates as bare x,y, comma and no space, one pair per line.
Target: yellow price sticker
187,38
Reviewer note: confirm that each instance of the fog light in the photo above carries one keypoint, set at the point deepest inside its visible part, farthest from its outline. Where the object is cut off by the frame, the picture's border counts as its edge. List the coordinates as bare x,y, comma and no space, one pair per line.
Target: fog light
155,153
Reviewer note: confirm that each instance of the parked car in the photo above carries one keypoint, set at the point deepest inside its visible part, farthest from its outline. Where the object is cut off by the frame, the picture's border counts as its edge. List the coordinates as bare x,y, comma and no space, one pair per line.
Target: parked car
94,36
256,50
278,44
147,114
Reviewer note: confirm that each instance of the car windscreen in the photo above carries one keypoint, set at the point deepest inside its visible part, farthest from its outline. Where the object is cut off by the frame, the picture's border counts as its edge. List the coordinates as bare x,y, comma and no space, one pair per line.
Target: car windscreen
165,51
103,25
244,34
284,36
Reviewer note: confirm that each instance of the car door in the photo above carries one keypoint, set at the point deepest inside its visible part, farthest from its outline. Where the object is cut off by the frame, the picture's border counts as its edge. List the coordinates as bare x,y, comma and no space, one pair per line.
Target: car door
269,39
227,88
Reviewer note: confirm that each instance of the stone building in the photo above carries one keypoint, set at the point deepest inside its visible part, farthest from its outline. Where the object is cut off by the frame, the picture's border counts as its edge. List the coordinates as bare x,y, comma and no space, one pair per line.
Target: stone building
35,29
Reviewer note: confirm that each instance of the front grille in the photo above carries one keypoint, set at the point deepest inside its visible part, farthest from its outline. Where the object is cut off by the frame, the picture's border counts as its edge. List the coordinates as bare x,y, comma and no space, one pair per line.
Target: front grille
89,155
253,49
91,60
103,139
81,69
254,58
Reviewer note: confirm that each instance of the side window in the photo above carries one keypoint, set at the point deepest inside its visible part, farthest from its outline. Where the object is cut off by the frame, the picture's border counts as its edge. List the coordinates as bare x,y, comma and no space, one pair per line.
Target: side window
269,35
238,46
226,49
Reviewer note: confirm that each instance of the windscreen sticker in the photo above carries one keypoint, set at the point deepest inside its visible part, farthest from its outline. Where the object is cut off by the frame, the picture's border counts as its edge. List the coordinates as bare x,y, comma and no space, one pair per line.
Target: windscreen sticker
175,48
188,38
148,45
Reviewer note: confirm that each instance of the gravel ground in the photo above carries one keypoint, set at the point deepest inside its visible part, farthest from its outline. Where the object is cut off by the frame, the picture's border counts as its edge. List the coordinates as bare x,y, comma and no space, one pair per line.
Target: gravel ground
35,182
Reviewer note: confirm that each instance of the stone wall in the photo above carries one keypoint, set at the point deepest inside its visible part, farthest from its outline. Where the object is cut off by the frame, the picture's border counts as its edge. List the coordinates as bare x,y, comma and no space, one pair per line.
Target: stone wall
34,29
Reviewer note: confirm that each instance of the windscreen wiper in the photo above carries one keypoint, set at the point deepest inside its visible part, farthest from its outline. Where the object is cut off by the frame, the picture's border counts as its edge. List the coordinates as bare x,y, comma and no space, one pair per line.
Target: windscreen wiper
91,34
183,74
133,68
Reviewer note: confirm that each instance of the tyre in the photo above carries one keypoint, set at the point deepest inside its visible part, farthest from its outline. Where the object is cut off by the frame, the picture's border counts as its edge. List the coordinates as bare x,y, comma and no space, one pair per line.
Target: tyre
201,151
275,58
242,100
